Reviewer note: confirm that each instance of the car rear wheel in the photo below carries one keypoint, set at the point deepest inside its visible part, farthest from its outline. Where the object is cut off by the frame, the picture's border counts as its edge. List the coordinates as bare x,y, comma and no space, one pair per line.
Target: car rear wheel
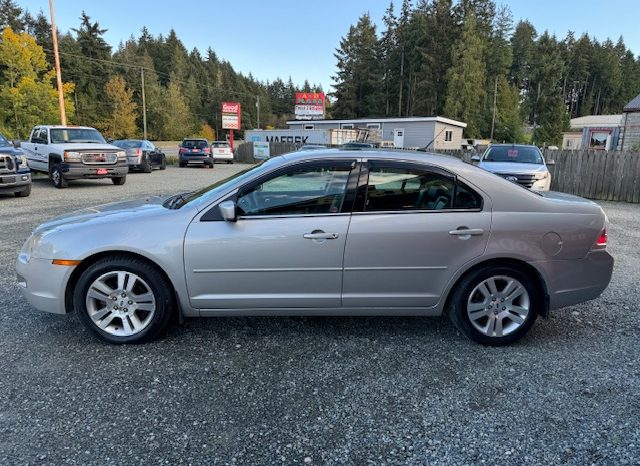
146,164
123,300
495,306
119,180
57,176
163,164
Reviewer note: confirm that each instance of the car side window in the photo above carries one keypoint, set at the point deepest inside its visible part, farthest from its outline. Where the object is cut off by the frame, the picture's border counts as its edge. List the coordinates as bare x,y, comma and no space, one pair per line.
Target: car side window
392,188
466,198
316,189
39,136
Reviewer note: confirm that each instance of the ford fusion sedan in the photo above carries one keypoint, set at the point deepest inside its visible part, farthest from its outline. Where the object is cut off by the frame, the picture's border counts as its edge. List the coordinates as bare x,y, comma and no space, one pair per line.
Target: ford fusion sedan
325,232
518,163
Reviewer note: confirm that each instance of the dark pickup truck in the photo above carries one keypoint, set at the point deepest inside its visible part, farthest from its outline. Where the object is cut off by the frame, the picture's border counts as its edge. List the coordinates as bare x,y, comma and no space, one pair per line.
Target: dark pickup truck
15,176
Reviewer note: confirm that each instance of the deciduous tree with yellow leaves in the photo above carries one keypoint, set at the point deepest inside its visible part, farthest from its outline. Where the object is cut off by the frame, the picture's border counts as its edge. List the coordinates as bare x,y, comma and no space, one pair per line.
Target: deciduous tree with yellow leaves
121,122
28,95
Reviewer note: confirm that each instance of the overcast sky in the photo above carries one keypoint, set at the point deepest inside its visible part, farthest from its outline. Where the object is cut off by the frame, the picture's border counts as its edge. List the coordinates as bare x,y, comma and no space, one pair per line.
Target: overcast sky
271,38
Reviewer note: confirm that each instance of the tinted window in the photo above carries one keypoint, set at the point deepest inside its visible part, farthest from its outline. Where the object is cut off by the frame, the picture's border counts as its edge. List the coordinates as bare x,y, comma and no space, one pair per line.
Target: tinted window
64,135
308,190
466,198
519,154
127,144
219,145
195,144
393,189
39,136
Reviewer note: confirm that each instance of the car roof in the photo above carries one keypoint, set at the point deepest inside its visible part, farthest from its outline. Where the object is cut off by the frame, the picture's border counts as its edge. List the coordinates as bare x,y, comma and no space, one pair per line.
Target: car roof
512,145
65,127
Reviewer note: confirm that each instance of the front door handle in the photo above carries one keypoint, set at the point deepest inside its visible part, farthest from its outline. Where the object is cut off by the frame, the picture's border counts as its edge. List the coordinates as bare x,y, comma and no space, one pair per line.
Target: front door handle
467,232
320,235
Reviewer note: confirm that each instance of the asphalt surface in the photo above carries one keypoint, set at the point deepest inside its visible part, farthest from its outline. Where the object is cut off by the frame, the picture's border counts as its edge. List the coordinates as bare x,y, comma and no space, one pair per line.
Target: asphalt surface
314,390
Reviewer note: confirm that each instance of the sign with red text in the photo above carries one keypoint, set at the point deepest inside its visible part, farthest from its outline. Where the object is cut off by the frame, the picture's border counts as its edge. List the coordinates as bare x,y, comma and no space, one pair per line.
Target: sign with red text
231,115
309,105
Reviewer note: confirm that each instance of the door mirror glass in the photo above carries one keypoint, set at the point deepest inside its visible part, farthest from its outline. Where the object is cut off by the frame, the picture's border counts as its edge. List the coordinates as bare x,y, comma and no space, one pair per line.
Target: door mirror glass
228,211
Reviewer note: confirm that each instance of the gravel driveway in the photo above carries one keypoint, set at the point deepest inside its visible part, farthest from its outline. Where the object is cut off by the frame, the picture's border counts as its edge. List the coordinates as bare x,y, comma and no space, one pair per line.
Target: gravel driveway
315,390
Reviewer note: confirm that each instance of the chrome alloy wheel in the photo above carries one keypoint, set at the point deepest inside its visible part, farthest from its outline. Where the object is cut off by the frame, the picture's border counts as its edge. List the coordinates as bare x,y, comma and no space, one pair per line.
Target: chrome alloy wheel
120,303
498,306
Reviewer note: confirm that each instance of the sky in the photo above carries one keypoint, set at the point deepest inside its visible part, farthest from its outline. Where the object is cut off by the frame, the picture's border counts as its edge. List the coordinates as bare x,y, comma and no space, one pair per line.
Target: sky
297,38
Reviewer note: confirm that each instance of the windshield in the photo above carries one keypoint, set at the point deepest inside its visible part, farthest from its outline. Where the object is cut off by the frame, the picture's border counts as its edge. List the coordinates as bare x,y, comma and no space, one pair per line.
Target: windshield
3,141
220,145
211,191
517,154
194,144
64,135
127,144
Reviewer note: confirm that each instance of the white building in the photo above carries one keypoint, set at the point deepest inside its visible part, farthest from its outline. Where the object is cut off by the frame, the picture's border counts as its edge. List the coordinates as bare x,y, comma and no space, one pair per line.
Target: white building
593,132
435,133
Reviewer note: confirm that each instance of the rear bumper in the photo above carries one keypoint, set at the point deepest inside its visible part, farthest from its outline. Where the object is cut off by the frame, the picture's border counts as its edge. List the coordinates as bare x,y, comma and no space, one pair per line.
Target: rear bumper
14,182
223,157
572,282
43,284
80,171
196,159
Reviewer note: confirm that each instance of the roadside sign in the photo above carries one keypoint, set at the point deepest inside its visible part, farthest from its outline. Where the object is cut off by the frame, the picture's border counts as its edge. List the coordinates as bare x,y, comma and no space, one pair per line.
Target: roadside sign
231,115
309,105
261,150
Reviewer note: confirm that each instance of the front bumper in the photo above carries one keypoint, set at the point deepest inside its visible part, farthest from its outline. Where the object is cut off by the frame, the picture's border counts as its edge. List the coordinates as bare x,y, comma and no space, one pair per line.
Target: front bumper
73,171
14,182
43,284
572,282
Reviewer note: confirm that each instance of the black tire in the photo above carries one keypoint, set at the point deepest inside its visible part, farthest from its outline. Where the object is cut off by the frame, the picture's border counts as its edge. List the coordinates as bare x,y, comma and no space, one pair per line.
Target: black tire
211,163
230,162
57,176
154,281
182,165
146,164
119,180
163,164
462,295
24,192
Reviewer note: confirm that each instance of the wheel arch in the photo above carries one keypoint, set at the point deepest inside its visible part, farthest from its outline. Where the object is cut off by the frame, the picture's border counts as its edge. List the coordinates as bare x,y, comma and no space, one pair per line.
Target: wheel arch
519,264
92,259
53,158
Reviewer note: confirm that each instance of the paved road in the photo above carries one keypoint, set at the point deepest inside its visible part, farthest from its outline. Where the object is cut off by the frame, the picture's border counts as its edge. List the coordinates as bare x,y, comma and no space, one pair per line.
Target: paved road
315,390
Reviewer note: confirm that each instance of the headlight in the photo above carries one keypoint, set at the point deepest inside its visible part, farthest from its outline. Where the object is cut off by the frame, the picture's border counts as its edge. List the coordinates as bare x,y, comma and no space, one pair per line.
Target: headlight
30,245
72,156
542,175
22,160
122,155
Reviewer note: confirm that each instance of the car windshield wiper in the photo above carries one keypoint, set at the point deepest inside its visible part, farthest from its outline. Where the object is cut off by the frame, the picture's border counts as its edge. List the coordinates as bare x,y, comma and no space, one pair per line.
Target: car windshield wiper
176,201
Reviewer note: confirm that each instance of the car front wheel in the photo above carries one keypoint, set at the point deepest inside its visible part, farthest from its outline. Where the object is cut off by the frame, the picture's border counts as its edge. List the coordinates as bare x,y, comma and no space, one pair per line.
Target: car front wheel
119,180
495,306
57,176
123,300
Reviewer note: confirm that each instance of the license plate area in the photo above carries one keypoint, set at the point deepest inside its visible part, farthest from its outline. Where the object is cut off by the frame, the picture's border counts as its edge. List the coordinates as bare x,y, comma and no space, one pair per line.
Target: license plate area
102,171
7,179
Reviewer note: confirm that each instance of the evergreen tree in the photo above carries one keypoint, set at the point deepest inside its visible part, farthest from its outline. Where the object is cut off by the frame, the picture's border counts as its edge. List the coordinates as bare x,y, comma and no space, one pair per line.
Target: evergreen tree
467,78
11,15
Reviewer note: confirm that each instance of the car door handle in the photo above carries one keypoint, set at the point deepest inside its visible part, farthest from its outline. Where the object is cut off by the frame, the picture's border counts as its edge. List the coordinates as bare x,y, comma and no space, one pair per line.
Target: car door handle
320,235
467,232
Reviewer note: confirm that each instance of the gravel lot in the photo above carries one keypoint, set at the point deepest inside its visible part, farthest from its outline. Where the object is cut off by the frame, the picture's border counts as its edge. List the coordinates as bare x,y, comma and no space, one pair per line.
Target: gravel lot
315,390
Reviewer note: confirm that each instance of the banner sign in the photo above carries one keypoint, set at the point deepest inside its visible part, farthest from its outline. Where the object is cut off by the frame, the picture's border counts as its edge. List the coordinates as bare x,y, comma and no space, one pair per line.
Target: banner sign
261,150
309,105
231,115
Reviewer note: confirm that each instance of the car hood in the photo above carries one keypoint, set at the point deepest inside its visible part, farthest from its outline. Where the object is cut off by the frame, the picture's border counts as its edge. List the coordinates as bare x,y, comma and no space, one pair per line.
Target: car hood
82,147
116,211
512,167
10,150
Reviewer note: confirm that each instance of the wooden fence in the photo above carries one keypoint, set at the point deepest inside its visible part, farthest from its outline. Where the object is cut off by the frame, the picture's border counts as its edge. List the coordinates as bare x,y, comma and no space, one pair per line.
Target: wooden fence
244,152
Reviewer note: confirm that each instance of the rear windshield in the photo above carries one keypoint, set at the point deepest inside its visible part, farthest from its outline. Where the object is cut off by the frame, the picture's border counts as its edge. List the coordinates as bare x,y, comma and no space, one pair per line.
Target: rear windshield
219,145
127,144
195,144
64,135
518,154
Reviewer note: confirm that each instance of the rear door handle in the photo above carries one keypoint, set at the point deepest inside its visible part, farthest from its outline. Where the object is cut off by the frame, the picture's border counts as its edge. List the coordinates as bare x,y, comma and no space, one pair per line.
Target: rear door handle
467,232
320,235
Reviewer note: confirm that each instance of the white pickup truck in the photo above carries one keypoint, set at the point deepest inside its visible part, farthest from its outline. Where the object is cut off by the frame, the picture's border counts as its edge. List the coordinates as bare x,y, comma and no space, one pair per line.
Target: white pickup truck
74,152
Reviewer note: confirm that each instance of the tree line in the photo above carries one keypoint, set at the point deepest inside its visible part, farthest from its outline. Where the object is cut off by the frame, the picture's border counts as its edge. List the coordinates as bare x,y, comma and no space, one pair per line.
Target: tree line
466,60
184,90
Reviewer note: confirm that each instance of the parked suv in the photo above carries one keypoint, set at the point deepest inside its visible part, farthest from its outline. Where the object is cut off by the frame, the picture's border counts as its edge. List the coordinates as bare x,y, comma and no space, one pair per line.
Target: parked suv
74,152
195,151
142,154
522,164
221,151
15,176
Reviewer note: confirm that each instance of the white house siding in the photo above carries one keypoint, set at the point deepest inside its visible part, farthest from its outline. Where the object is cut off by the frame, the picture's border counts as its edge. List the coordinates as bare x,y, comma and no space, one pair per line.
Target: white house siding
441,143
631,122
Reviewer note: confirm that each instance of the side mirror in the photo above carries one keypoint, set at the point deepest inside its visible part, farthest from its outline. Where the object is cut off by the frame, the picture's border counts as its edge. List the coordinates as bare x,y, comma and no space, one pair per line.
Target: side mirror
16,144
475,158
228,211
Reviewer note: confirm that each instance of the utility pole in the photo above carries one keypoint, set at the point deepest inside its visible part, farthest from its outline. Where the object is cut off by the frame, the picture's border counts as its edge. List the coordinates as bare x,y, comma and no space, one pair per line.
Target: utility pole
144,105
258,107
495,101
54,33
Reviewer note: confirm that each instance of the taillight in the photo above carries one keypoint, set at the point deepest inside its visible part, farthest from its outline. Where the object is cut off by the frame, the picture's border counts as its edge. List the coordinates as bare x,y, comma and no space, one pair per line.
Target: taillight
182,150
207,150
138,152
601,242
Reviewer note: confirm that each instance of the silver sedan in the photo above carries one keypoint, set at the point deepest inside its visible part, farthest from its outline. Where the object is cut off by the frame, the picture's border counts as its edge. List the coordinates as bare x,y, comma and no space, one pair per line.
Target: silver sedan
325,232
